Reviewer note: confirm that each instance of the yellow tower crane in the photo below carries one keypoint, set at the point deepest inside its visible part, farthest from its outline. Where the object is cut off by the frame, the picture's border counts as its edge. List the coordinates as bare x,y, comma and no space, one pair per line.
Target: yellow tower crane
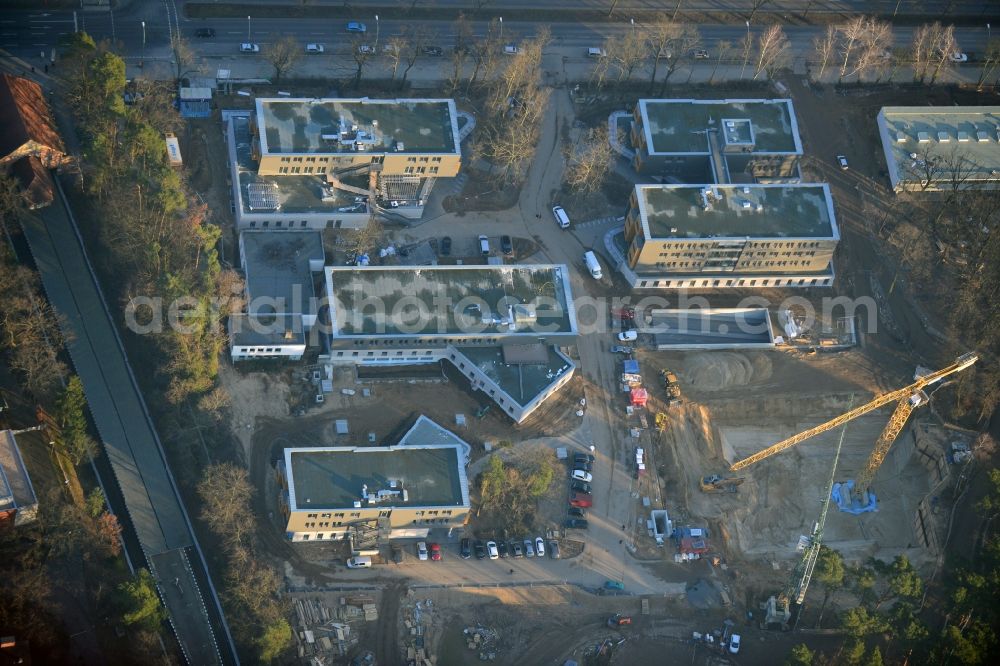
907,399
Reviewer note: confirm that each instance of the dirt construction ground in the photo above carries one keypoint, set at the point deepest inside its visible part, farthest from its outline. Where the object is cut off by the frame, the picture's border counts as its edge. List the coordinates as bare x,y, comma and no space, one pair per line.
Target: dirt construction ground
741,403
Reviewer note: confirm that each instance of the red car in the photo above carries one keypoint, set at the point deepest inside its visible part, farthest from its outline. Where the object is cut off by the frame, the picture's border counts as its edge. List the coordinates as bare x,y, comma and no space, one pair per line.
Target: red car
580,500
435,552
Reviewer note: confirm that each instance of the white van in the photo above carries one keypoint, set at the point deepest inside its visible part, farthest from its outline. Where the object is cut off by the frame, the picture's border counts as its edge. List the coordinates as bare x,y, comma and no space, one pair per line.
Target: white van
484,245
593,265
359,563
561,217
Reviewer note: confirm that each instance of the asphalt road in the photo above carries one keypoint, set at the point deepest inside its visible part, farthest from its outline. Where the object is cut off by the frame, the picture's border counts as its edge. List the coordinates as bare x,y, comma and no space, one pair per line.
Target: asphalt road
30,33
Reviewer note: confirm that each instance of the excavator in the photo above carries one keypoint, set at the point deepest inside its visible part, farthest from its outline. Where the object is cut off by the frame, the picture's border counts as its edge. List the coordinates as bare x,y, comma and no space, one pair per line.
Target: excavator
720,484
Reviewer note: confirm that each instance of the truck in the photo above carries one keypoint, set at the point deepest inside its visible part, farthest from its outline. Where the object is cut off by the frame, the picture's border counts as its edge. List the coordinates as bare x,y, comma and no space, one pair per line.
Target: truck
640,463
720,484
671,386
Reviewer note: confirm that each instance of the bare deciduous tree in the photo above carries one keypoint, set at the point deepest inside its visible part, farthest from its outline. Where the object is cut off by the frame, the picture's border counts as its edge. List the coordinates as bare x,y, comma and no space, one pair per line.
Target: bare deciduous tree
991,60
824,46
626,53
361,52
601,66
590,161
396,48
417,40
723,47
184,57
225,493
679,49
772,51
932,49
282,55
851,36
659,37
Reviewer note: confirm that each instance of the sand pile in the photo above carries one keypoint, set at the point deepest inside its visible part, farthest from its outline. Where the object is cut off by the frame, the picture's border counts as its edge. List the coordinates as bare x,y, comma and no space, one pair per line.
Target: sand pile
717,371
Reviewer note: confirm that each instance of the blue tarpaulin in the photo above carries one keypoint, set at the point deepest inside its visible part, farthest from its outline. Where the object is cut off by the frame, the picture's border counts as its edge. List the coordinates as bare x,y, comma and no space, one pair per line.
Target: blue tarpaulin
841,496
631,367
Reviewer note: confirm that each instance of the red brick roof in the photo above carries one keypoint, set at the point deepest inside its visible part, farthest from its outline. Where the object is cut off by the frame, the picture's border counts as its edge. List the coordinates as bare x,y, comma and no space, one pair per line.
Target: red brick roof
24,116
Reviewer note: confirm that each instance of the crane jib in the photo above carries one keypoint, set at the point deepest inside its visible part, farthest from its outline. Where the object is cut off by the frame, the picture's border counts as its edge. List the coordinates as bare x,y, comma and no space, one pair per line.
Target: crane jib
961,363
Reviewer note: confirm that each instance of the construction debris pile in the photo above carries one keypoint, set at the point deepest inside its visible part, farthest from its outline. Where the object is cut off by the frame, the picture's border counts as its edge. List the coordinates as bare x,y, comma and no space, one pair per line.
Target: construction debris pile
420,628
324,631
482,640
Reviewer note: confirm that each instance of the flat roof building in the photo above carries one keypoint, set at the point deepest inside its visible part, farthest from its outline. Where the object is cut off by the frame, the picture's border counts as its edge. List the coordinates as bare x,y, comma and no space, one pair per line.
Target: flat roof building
721,141
328,162
18,503
380,127
280,269
403,490
441,304
941,148
710,236
497,325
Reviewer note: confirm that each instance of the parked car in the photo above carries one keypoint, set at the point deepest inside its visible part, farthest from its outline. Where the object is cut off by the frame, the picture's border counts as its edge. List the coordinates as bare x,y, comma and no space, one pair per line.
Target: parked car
397,554
446,246
584,457
480,550
354,26
576,512
484,245
958,56
842,161
506,245
435,552
389,48
614,585
581,501
540,546
466,548
576,524
701,54
596,52
368,49
204,32
247,47
491,550
580,487
628,336
620,349
734,643
422,551
432,50
580,475
502,548
510,49
529,548
515,549
554,549
359,563
315,48
562,219
584,465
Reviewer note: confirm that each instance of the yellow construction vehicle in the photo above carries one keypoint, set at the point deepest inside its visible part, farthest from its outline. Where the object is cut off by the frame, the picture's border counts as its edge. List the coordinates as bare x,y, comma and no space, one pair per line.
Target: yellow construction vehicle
907,399
661,421
719,484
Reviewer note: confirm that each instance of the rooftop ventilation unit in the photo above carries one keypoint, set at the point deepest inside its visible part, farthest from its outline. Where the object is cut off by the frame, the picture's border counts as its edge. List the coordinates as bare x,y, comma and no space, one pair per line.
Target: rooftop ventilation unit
923,137
982,136
900,137
943,137
963,137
